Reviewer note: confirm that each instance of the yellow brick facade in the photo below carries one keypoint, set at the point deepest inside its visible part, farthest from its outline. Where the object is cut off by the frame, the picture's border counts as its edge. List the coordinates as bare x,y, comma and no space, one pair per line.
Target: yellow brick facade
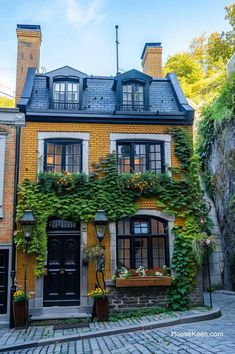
99,146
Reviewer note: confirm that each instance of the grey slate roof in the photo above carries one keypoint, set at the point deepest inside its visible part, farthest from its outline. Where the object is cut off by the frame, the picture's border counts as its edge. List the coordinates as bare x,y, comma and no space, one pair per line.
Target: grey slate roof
101,96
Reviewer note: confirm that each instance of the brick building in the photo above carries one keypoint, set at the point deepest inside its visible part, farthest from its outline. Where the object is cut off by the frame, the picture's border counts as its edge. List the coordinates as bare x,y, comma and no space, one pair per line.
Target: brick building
72,120
11,121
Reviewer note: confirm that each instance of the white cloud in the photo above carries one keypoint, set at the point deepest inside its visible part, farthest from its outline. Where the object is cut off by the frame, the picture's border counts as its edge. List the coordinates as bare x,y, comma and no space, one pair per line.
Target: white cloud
80,15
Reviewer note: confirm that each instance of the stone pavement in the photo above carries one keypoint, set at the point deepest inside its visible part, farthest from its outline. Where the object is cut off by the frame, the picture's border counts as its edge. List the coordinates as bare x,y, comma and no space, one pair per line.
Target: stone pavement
215,336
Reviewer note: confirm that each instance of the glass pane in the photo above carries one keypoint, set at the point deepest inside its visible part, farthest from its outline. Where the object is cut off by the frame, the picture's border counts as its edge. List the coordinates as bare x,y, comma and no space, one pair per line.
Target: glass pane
158,252
58,149
124,227
70,86
50,148
155,163
141,227
124,253
124,153
50,159
141,252
140,158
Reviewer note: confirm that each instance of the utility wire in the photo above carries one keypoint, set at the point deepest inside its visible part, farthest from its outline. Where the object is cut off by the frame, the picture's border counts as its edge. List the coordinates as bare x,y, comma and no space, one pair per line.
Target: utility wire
6,94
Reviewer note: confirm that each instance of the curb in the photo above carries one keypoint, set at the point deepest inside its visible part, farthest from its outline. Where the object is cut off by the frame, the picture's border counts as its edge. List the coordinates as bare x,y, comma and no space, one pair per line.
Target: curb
108,332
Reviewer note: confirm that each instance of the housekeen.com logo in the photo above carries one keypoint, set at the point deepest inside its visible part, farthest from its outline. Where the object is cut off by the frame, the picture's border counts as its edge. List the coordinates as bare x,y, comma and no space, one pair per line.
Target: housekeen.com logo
196,334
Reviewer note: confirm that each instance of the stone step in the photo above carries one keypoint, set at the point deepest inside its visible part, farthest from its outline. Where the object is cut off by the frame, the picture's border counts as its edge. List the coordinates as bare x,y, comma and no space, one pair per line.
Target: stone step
59,312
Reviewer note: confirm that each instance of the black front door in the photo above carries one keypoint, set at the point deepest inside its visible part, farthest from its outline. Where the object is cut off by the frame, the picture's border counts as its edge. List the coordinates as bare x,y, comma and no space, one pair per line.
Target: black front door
62,281
3,280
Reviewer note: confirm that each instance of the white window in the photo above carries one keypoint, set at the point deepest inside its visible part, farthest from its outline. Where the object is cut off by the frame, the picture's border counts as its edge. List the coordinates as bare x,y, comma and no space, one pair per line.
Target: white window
2,163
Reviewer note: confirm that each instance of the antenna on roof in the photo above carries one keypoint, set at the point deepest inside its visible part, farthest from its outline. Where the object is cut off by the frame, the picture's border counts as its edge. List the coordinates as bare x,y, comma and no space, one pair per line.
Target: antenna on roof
117,43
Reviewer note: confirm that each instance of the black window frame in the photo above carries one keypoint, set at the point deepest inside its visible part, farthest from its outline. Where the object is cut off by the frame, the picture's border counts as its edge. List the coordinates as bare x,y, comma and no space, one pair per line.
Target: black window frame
132,144
62,142
134,106
149,236
66,104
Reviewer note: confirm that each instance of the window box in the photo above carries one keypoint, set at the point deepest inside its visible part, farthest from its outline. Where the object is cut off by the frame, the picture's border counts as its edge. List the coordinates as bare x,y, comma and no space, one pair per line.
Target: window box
143,281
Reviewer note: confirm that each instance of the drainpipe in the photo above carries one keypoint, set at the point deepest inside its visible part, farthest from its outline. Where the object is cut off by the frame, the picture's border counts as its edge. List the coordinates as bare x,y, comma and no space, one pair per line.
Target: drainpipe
13,255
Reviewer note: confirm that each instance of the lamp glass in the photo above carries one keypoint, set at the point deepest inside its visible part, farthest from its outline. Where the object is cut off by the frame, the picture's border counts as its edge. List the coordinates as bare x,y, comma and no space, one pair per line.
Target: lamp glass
100,231
28,231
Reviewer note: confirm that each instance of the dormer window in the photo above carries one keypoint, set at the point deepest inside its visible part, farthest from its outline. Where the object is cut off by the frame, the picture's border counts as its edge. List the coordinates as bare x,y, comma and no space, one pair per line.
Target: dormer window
132,88
133,97
66,95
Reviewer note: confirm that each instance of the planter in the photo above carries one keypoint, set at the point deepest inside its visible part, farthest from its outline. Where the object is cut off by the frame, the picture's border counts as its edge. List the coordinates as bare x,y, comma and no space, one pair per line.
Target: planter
20,314
143,281
102,308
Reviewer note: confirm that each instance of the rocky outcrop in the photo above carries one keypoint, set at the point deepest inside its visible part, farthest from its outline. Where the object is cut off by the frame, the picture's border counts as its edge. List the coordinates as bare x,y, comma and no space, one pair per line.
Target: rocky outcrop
221,165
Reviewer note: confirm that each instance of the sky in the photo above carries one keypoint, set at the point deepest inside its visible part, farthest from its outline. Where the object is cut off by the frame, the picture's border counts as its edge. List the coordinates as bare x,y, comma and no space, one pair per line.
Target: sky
81,33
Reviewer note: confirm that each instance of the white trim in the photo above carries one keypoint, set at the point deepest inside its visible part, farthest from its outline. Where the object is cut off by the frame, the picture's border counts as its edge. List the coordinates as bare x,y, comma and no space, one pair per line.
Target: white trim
166,138
60,135
2,166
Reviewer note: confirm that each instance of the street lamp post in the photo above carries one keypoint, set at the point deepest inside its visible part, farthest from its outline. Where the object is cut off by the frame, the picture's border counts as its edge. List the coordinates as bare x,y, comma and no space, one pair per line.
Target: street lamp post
100,223
27,223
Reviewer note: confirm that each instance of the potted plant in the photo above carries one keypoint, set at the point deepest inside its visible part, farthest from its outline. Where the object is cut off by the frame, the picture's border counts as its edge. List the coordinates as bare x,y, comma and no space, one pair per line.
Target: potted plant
142,277
20,308
92,253
100,297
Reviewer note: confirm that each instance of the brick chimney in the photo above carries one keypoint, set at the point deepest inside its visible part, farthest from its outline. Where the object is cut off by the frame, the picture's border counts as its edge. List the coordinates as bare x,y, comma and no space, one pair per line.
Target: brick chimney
28,53
152,59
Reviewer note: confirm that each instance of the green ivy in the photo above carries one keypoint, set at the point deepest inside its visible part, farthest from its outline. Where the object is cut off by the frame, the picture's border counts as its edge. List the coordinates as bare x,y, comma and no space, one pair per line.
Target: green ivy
78,197
222,110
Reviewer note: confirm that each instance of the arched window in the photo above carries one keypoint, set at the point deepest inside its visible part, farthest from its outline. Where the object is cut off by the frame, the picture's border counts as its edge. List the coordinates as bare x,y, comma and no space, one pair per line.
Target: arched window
142,241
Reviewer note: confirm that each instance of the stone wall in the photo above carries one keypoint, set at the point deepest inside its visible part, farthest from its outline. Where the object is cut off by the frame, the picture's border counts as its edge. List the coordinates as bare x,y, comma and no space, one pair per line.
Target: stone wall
132,298
122,299
222,169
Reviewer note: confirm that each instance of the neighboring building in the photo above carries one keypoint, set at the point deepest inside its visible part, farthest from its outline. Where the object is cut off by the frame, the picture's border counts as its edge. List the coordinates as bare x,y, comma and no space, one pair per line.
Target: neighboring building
10,122
74,119
230,67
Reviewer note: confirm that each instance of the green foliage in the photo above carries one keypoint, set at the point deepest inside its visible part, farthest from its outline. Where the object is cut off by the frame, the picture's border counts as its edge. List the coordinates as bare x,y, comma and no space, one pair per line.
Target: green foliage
213,118
137,314
201,69
6,102
78,197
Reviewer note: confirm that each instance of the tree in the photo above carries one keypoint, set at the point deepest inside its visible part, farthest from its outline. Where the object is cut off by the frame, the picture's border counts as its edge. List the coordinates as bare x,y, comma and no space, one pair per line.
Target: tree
7,102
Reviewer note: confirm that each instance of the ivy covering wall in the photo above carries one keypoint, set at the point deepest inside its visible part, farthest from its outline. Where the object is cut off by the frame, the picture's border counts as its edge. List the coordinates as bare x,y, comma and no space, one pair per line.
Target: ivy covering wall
216,149
78,197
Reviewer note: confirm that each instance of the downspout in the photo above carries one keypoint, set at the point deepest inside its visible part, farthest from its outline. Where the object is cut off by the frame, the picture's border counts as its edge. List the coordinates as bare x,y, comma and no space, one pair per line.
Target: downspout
13,256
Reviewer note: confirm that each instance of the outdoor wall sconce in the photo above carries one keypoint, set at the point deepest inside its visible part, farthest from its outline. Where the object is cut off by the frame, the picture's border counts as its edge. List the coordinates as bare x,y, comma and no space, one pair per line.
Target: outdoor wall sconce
100,223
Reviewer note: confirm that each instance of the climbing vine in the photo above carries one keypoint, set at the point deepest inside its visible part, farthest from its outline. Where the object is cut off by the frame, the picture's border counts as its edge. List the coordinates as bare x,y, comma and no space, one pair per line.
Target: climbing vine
77,197
220,112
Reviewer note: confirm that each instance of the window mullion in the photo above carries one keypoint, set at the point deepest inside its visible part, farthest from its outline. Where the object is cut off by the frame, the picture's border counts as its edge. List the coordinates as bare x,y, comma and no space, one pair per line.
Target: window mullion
147,156
132,158
63,150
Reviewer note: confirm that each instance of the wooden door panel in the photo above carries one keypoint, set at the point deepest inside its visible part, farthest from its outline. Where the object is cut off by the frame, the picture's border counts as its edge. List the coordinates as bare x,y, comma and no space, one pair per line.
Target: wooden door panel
61,284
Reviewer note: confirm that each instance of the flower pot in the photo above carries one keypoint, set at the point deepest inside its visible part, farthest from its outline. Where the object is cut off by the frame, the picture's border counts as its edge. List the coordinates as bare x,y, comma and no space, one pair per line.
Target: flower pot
20,313
102,308
143,281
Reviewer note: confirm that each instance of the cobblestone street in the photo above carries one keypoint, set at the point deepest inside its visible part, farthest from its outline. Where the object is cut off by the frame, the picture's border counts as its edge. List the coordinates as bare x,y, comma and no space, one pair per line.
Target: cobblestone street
215,336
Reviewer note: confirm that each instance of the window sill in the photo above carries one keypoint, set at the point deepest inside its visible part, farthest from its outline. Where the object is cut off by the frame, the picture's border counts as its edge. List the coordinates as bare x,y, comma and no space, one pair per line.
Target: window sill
143,281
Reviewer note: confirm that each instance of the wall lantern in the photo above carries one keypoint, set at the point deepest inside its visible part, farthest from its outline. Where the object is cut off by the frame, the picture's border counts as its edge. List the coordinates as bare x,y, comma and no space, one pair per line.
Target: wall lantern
27,223
100,223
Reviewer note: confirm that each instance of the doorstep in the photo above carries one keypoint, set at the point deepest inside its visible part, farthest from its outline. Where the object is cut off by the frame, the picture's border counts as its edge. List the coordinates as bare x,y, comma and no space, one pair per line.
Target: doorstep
60,312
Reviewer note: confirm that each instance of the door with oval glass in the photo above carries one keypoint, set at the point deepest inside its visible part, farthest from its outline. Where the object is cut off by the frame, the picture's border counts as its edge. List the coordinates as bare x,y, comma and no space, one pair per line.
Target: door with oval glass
62,278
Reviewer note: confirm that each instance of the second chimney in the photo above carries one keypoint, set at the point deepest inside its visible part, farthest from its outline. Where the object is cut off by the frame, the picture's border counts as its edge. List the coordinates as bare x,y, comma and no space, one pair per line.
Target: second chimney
152,59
